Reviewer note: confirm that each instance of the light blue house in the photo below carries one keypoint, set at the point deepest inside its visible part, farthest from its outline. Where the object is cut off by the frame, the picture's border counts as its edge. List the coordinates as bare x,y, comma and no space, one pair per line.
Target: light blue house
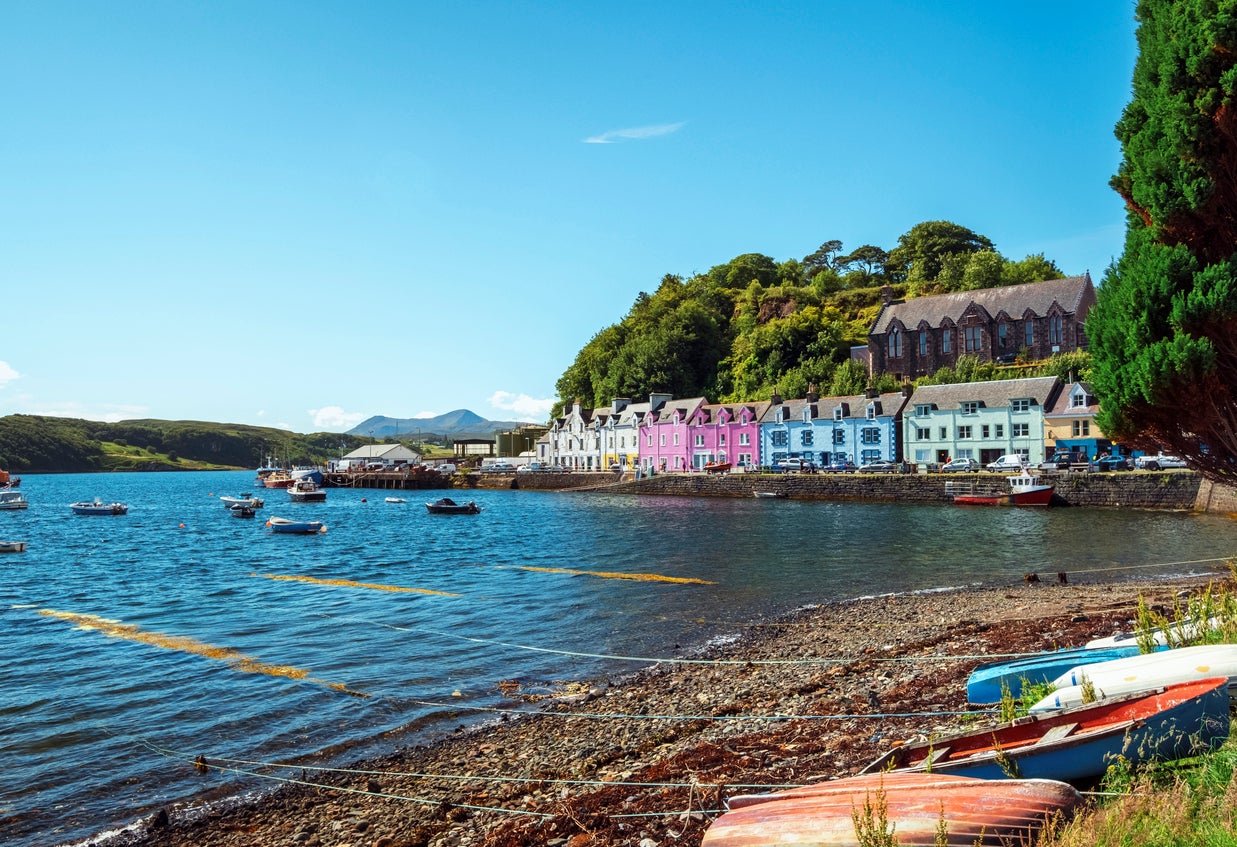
978,420
831,430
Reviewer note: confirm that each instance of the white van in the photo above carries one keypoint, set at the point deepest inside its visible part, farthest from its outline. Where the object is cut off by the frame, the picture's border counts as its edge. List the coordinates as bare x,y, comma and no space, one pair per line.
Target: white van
1008,462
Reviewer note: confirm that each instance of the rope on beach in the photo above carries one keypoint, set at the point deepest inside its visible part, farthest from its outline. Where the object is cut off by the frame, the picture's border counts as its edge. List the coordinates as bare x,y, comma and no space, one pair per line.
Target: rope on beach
1155,565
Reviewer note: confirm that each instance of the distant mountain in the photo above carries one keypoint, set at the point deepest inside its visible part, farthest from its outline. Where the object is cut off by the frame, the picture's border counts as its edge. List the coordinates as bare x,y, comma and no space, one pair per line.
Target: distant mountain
458,424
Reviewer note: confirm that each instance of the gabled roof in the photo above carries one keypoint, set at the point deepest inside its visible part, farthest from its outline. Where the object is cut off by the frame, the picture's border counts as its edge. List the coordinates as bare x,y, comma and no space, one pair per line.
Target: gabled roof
1041,389
1014,300
1062,408
854,406
710,412
683,407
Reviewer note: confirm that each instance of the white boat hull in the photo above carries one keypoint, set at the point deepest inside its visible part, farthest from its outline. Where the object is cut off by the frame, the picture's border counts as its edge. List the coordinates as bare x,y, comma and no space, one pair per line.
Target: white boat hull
1142,673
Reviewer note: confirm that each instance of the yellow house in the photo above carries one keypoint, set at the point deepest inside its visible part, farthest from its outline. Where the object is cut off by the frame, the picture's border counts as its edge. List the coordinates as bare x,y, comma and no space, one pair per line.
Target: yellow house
1070,423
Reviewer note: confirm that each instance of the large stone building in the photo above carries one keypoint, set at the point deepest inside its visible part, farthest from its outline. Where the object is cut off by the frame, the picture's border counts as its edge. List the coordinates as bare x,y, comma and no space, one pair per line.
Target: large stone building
915,337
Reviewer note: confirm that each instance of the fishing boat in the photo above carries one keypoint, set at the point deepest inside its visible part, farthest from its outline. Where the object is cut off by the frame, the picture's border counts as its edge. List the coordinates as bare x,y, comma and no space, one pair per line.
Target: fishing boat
973,811
1024,490
98,507
447,506
12,547
244,500
297,527
989,682
1079,743
277,478
717,467
1140,673
12,500
305,490
7,480
396,500
241,511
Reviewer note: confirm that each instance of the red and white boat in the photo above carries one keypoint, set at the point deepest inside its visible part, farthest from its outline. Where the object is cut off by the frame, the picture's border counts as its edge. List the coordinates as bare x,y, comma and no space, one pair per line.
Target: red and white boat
1024,490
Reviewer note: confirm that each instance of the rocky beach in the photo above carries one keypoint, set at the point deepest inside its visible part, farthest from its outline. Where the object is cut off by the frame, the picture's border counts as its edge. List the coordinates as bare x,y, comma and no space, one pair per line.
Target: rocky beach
650,759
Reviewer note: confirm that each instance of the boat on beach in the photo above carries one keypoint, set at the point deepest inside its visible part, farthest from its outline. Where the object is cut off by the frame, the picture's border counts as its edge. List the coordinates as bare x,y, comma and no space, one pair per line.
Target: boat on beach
12,547
717,467
447,506
12,500
988,682
1081,742
284,525
973,811
98,507
1024,490
1142,672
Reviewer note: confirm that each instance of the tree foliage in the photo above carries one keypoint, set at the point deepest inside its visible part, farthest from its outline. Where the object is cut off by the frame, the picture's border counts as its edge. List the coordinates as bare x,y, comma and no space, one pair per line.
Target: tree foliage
1164,330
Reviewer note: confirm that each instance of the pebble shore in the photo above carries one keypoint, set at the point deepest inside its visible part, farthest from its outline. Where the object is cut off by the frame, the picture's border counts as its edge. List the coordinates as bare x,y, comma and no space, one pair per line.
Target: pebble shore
650,759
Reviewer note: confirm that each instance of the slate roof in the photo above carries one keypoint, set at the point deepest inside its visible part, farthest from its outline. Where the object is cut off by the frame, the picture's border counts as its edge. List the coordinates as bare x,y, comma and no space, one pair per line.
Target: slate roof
684,407
997,394
1062,408
710,411
1014,300
890,405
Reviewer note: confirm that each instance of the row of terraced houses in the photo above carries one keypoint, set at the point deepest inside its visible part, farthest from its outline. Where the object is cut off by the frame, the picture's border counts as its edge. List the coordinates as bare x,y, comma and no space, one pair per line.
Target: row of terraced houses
924,426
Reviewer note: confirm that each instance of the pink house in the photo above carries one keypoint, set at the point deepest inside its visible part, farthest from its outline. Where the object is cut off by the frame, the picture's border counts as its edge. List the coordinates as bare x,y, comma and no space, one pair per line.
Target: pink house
664,445
725,432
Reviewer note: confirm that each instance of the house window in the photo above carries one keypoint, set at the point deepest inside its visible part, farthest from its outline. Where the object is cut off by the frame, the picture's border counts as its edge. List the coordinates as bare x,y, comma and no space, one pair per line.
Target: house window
984,431
974,339
650,439
622,441
947,340
944,433
663,439
1082,428
1029,329
743,439
839,436
837,413
923,411
895,343
1078,401
699,441
999,430
923,433
1002,330
870,456
870,435
781,415
778,438
923,343
964,431
721,439
1021,405
1019,430
970,407
676,439
806,437
1054,329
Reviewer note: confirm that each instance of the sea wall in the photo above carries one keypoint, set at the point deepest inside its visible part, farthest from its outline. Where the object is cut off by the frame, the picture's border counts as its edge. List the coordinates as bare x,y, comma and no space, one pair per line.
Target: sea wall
1135,490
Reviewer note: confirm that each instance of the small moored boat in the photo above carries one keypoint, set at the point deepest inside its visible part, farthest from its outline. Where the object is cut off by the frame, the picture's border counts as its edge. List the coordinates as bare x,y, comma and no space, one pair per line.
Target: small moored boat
447,506
246,499
305,490
12,547
295,527
717,467
973,811
241,511
1024,490
98,507
12,500
396,500
1079,743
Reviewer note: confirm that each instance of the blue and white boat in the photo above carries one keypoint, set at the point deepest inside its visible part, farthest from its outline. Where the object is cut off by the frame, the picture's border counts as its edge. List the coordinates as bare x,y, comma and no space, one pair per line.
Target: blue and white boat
985,683
1141,673
285,525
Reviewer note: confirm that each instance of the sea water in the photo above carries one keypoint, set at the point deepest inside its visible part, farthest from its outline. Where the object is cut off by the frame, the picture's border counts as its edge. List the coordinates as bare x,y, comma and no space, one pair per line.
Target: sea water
130,645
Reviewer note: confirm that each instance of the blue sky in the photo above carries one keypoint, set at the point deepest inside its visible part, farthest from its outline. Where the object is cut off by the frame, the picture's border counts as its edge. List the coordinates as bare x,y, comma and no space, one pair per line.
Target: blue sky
303,214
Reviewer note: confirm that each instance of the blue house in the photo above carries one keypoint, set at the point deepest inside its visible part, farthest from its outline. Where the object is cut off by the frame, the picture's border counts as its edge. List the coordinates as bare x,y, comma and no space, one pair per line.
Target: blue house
831,430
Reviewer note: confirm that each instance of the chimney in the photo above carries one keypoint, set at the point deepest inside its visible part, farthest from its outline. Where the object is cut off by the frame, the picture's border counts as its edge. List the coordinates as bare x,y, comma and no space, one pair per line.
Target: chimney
872,394
886,294
907,388
776,399
812,394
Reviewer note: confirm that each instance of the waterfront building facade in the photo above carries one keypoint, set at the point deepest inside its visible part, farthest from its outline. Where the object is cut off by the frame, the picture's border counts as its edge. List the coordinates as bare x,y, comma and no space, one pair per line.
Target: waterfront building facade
725,432
833,430
664,442
573,441
979,420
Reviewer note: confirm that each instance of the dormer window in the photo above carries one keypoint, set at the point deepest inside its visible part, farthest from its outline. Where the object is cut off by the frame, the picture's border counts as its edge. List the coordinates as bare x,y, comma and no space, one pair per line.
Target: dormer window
807,415
970,407
1022,404
1078,400
781,415
923,410
837,413
871,412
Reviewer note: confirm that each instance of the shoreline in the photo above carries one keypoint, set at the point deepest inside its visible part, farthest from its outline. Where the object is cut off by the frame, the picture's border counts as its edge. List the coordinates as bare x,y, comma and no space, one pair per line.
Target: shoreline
649,757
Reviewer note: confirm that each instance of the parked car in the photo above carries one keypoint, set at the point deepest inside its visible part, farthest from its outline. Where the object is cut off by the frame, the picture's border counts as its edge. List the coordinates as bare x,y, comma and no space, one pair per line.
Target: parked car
1008,462
794,464
879,467
1159,462
498,467
959,465
1112,463
841,467
539,467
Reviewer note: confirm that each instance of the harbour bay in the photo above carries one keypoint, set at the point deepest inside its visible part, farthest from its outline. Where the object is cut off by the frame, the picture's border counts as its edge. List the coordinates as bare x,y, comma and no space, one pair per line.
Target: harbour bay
129,641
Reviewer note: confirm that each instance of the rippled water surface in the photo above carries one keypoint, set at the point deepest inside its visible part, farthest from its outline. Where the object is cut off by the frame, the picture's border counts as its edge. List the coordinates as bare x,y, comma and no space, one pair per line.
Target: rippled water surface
130,645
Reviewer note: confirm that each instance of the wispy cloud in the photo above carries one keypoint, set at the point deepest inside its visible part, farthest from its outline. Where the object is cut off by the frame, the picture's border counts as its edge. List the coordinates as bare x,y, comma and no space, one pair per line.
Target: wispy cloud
334,417
108,413
525,408
7,374
634,133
